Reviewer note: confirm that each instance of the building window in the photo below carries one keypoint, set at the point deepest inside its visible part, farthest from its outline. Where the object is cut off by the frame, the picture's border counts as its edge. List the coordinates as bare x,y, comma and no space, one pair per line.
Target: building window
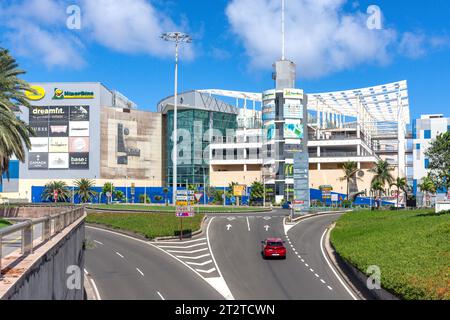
427,163
448,128
427,134
417,146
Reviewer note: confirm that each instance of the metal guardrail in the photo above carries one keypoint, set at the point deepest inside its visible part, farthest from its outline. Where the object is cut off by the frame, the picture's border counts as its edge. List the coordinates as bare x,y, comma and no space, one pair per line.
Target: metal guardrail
51,226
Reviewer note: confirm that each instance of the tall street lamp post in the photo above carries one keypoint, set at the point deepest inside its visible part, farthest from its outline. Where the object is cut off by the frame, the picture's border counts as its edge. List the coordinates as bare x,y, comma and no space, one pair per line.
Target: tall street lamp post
176,37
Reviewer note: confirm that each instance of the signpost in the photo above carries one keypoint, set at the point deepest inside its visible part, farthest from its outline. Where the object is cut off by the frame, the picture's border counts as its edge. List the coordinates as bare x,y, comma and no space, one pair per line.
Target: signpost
183,208
55,195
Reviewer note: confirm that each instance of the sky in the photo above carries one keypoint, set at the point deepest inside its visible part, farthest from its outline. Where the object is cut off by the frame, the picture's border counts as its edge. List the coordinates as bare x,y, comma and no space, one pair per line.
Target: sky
336,44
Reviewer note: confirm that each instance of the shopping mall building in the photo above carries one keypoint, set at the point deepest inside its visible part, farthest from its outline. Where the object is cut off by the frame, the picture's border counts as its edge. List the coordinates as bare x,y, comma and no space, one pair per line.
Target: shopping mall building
85,130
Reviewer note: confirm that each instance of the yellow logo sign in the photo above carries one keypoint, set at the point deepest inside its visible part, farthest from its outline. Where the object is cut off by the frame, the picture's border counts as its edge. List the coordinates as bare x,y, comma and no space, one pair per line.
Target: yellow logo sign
38,93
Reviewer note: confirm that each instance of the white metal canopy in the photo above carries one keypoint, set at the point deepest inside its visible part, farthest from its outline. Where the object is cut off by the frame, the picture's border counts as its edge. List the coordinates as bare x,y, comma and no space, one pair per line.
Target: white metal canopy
383,103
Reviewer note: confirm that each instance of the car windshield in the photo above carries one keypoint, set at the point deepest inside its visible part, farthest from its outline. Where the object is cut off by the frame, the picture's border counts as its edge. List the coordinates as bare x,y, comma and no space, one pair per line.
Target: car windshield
275,244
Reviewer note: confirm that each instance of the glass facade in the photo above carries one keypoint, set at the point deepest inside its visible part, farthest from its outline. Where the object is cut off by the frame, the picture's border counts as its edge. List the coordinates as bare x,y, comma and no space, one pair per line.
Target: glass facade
193,140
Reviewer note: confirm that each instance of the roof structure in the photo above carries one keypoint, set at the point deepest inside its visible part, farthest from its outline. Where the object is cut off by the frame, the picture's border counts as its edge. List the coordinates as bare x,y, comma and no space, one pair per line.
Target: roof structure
383,103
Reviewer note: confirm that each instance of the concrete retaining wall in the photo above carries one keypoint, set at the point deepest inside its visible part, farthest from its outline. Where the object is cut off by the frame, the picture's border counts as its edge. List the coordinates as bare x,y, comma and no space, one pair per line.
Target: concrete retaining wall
30,212
43,276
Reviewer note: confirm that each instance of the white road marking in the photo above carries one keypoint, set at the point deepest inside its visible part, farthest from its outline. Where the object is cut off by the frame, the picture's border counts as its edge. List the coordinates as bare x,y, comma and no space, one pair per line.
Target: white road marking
179,242
303,260
310,269
316,275
160,295
229,227
329,287
195,258
94,286
119,255
266,227
98,242
193,251
306,264
199,264
296,252
140,272
206,271
183,247
248,224
332,269
267,218
323,281
231,218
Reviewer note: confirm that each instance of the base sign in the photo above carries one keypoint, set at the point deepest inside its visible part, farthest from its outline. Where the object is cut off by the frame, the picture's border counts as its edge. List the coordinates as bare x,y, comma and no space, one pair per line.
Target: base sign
183,206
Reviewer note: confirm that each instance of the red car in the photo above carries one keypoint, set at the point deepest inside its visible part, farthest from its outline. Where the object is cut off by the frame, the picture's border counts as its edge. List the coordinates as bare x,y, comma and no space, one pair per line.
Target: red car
273,248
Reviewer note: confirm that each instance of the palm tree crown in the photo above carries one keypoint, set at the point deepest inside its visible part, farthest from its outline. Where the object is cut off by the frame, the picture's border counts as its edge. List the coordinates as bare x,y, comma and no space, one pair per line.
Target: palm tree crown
60,187
350,169
382,173
85,189
14,133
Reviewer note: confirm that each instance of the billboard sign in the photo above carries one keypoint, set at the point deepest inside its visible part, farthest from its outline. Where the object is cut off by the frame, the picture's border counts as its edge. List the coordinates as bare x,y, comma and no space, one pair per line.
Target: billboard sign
293,110
293,94
58,161
38,161
239,190
293,129
79,113
79,161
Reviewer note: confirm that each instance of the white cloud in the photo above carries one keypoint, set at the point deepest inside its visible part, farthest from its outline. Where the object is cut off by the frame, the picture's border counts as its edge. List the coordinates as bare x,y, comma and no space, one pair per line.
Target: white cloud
130,26
37,29
321,37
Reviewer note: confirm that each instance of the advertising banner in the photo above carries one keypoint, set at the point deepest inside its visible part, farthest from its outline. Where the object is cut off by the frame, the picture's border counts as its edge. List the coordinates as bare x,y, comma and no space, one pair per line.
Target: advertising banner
40,128
38,114
59,145
78,144
38,161
59,129
79,129
39,145
268,111
79,161
79,113
293,94
269,95
239,190
293,129
270,128
293,110
58,113
58,161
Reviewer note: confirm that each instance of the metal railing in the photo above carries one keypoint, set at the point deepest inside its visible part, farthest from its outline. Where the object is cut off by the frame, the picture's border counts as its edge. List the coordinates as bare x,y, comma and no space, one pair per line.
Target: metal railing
51,226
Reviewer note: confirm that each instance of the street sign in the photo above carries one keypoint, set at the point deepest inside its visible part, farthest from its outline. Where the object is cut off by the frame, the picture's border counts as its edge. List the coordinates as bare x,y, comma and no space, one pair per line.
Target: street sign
198,196
55,195
133,189
239,190
185,192
185,198
334,197
185,211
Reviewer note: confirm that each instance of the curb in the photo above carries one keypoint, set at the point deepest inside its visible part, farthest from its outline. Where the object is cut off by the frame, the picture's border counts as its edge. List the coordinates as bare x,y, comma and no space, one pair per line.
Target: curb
89,289
317,214
354,278
159,211
193,234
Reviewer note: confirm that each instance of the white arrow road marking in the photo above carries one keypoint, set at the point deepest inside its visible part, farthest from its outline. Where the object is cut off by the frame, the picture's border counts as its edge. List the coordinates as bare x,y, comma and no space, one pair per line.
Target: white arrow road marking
199,264
229,227
184,247
206,271
266,227
193,251
196,258
267,218
231,218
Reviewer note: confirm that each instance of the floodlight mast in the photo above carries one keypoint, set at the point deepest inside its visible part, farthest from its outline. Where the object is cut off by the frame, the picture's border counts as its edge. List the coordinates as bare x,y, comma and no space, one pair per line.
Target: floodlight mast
177,37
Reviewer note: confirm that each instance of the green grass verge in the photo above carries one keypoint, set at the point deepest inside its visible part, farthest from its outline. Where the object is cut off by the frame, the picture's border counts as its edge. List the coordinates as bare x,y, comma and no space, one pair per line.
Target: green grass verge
151,225
4,223
163,208
412,249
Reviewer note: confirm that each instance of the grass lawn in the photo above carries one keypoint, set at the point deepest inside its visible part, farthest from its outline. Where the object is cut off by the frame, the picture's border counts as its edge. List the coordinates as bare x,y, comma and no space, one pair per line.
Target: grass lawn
412,249
151,225
163,208
4,223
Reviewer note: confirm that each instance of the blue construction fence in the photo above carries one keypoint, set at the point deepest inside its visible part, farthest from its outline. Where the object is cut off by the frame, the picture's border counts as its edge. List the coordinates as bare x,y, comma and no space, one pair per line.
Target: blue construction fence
156,195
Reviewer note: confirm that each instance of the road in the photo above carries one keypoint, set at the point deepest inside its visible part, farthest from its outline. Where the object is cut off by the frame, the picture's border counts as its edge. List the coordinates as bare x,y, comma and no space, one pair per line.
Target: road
223,263
303,275
124,268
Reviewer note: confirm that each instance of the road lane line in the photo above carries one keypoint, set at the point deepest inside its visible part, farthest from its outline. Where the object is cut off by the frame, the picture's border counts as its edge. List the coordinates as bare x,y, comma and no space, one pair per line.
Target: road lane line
179,242
140,272
94,286
160,295
119,255
306,264
248,224
332,269
183,247
303,260
98,242
195,257
317,276
329,287
199,264
193,251
311,269
323,281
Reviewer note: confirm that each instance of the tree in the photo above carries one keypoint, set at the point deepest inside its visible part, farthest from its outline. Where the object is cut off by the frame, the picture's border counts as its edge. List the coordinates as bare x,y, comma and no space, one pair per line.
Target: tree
230,192
257,192
119,195
401,184
85,189
210,192
143,198
439,155
382,173
350,169
15,133
427,186
377,187
60,187
166,192
108,188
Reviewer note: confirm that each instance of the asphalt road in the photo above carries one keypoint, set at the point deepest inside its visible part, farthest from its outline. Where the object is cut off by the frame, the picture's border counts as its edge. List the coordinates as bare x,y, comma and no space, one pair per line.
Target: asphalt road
237,251
124,268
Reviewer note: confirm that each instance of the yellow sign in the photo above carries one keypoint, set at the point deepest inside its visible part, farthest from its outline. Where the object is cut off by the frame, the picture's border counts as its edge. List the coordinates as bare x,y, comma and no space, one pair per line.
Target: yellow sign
238,190
62,94
35,95
182,203
293,93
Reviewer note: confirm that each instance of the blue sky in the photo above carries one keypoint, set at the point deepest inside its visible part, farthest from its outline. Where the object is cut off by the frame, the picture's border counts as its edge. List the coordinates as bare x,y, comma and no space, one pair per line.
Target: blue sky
235,43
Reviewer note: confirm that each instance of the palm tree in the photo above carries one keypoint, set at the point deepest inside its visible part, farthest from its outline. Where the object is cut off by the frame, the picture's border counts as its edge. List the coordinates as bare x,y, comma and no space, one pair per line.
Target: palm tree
166,191
401,184
230,192
108,188
427,186
350,169
15,133
382,173
84,189
378,187
60,187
